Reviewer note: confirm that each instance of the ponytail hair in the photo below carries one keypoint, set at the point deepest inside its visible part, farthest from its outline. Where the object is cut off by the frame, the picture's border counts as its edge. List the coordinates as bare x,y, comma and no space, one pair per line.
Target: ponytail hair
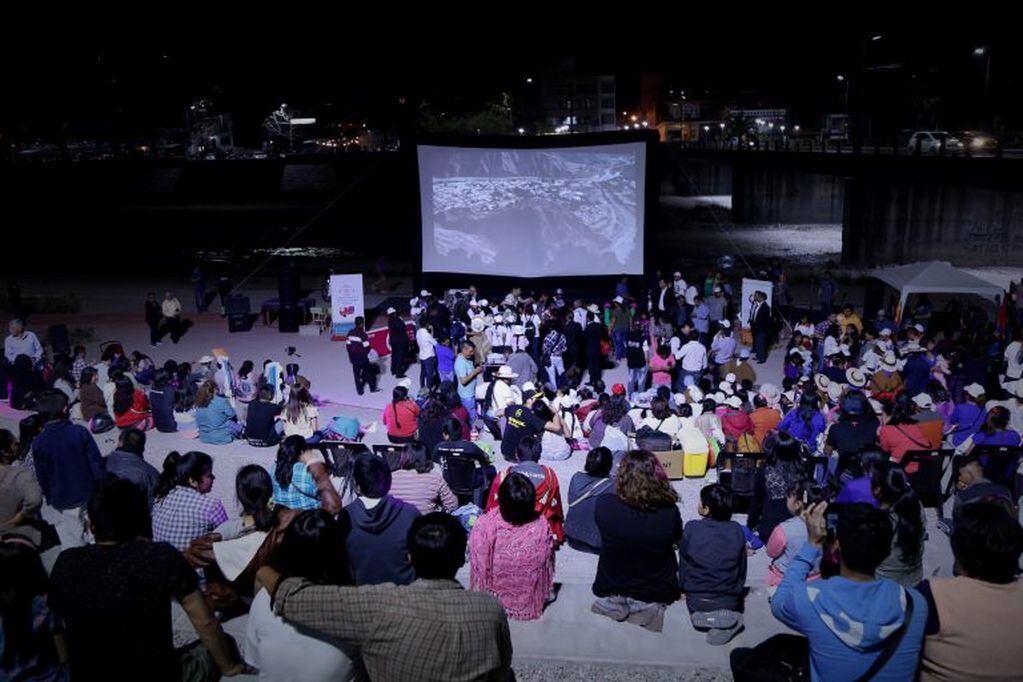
255,492
181,469
397,395
892,489
288,452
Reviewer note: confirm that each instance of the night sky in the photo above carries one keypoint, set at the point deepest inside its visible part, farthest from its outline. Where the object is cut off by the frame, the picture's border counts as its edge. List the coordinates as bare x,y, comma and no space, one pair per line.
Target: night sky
118,82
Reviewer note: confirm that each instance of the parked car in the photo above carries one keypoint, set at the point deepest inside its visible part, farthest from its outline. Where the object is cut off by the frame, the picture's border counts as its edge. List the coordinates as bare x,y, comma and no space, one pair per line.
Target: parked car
977,142
931,142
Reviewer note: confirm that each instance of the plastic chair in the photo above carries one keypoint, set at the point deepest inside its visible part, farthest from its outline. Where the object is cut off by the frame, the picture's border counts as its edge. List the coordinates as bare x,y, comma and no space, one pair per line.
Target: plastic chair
391,453
319,317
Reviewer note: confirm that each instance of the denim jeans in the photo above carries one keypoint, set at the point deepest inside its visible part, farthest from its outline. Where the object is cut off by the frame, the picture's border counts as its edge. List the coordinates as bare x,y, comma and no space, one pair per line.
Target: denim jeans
556,369
469,403
637,381
428,372
618,337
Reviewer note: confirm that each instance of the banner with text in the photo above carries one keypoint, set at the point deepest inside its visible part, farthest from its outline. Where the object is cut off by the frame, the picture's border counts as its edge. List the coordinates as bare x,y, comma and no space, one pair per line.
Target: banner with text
346,303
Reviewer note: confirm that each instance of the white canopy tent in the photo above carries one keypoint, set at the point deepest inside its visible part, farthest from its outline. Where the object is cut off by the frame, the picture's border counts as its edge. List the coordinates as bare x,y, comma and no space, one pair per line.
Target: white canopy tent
934,277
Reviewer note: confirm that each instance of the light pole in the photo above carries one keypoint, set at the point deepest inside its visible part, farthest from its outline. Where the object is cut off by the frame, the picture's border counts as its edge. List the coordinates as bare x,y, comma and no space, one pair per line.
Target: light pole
984,51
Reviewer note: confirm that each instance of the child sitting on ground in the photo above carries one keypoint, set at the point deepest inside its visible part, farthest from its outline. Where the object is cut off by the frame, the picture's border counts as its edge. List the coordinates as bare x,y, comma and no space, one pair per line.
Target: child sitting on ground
789,536
712,566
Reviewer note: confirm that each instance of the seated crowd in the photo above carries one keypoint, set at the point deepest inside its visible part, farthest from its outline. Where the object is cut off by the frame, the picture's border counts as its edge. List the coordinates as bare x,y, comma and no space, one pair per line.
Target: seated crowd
345,560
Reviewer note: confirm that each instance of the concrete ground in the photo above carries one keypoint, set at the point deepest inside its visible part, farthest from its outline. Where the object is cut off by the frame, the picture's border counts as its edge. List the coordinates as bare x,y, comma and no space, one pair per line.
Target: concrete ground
568,642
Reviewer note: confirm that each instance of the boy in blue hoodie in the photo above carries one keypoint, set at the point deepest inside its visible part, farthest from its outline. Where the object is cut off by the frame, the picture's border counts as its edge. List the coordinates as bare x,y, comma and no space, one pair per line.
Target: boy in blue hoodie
850,618
377,543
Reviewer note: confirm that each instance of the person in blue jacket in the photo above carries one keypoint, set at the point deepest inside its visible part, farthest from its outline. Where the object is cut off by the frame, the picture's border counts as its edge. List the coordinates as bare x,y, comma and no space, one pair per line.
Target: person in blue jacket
851,619
214,416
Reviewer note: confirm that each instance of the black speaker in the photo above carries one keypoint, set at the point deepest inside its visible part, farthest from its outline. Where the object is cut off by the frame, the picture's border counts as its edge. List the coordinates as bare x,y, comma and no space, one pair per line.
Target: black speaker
289,319
288,287
240,323
238,305
60,343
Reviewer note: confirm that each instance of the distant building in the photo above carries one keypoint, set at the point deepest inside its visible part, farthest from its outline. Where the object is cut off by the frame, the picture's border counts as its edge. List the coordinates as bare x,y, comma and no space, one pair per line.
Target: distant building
209,132
763,121
573,103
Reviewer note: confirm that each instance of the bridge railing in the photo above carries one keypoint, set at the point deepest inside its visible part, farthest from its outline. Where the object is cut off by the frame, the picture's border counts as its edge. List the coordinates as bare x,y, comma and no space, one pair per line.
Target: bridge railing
795,145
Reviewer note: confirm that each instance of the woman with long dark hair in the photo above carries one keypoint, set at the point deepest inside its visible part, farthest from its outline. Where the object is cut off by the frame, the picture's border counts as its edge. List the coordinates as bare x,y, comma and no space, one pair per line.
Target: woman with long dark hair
584,488
415,481
511,551
131,406
614,414
313,548
401,416
901,433
640,525
183,508
301,479
895,496
805,423
161,402
300,417
784,465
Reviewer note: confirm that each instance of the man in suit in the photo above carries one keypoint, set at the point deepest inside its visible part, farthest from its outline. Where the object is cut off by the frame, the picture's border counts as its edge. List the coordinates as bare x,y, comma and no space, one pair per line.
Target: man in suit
398,338
664,300
760,324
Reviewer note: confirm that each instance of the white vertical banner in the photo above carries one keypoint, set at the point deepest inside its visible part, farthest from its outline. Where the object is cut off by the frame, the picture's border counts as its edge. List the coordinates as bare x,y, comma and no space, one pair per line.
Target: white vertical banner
749,287
346,303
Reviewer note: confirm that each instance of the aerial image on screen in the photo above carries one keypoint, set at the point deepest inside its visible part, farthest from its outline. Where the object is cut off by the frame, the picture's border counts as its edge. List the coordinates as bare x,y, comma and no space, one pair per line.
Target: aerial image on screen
533,212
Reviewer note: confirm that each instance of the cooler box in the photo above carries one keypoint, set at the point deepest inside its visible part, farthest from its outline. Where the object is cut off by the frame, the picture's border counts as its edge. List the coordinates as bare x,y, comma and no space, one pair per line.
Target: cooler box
694,465
671,462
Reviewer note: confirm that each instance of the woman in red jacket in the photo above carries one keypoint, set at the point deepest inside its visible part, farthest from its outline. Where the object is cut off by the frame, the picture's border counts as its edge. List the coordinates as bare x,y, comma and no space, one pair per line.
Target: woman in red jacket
131,406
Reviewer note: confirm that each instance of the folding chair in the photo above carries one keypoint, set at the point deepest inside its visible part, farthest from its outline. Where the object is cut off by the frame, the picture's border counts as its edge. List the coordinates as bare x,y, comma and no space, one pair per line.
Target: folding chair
739,475
1001,463
391,453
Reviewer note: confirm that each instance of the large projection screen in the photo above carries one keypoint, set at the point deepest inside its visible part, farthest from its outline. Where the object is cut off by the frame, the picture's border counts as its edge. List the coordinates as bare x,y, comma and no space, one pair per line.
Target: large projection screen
533,212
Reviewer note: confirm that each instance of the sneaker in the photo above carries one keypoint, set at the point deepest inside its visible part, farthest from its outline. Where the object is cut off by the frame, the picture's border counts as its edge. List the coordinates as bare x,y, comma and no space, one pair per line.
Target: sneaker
614,608
650,618
715,620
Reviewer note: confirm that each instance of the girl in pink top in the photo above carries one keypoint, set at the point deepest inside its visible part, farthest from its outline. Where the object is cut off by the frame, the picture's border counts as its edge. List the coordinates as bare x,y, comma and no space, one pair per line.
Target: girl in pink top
661,365
511,551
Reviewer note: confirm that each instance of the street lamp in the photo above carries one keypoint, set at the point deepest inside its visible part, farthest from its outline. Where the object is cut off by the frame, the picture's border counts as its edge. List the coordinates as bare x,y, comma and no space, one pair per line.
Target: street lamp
706,128
522,131
721,125
529,80
876,37
795,128
983,51
634,118
840,78
782,128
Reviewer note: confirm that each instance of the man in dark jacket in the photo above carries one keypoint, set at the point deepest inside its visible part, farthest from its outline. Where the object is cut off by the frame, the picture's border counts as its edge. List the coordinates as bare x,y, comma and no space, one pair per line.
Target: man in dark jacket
127,462
377,543
760,323
68,465
358,353
397,336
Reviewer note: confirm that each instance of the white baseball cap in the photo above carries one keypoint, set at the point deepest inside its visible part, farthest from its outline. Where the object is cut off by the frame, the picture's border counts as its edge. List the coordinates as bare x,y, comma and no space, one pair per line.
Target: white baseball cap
484,302
726,324
391,311
424,292
886,331
923,401
974,390
919,327
619,299
678,274
734,401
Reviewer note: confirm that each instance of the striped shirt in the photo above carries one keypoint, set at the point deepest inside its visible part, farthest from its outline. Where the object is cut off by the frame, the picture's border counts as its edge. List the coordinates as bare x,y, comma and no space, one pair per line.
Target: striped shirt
429,631
426,492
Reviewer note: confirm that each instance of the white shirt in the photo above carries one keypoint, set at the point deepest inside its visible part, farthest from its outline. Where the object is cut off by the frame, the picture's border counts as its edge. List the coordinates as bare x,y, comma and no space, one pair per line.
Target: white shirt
680,287
661,301
26,344
426,342
670,426
693,356
504,395
1013,368
283,654
691,293
1015,412
830,346
579,315
805,329
171,307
